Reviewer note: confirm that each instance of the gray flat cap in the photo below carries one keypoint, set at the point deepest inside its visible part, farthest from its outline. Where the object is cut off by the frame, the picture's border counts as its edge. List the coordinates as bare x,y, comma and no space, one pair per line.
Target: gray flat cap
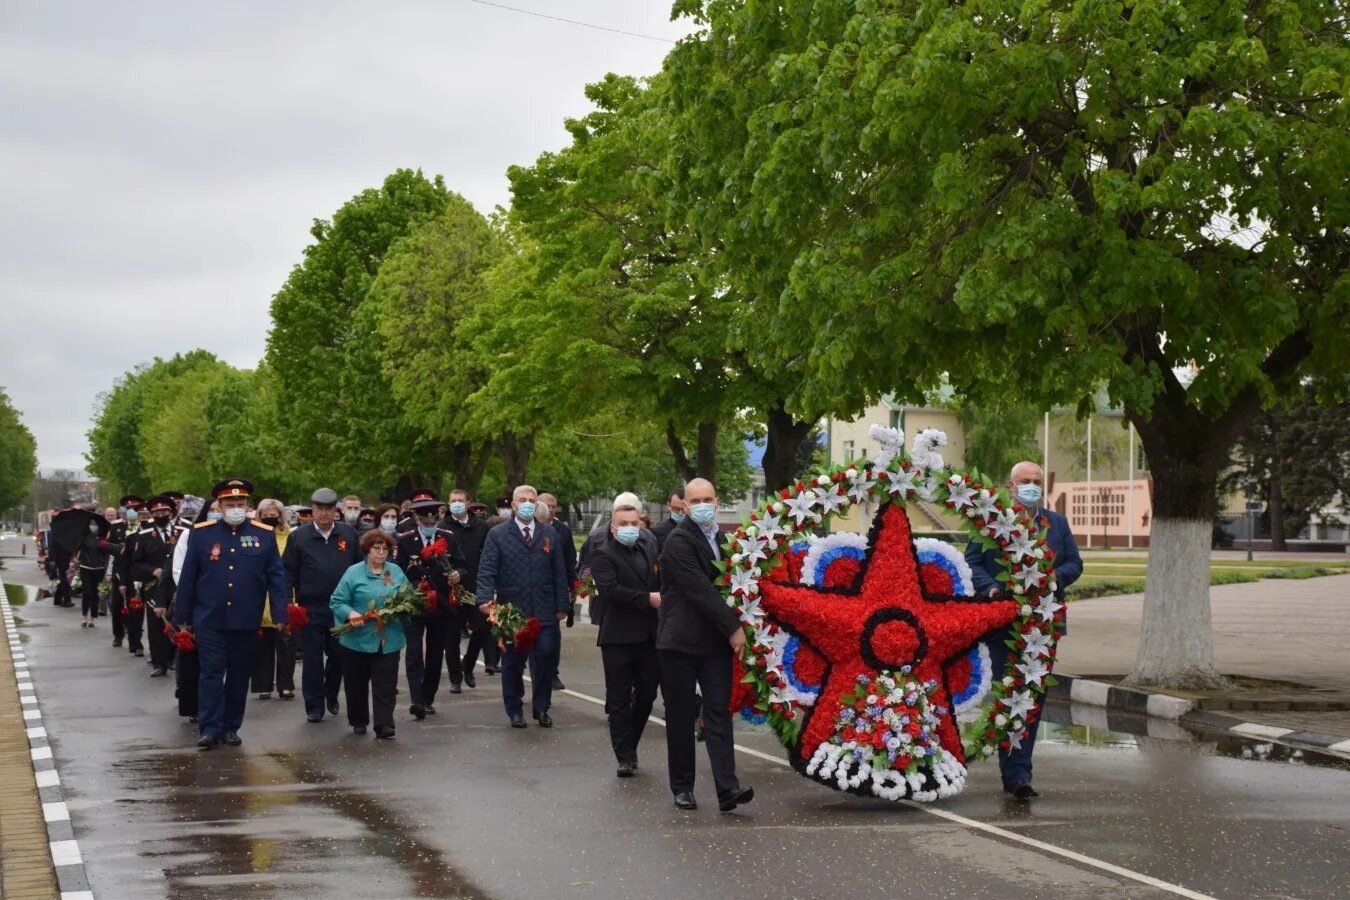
324,497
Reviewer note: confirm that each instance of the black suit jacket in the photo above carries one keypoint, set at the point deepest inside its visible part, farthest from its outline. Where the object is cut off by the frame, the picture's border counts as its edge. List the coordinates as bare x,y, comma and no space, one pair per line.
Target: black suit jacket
694,617
662,531
410,546
626,577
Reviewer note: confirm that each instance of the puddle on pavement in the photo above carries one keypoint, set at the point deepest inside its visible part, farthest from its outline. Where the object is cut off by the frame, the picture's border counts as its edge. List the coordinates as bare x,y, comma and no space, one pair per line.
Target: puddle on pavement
232,824
1061,725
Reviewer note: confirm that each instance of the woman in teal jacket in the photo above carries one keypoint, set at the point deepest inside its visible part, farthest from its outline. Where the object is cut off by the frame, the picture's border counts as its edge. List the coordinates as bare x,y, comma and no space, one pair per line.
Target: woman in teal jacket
370,653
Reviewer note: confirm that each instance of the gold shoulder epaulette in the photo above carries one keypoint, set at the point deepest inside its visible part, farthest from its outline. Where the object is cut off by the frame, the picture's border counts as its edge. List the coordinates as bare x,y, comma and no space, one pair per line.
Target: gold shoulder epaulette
203,524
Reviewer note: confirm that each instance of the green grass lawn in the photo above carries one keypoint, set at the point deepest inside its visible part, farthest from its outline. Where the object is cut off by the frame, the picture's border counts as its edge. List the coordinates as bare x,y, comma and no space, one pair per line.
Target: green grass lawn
1105,576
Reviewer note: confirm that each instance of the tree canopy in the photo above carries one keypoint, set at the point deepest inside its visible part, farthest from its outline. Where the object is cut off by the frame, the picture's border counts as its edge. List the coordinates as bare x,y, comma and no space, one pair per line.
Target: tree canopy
18,455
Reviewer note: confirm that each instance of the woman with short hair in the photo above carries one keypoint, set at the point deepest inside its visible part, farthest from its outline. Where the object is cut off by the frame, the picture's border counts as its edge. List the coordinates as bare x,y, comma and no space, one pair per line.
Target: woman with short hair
370,650
274,650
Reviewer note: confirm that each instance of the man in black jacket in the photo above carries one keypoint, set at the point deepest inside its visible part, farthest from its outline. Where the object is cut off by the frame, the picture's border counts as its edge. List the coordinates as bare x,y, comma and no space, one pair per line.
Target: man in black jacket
317,554
471,530
697,636
427,633
151,557
678,511
625,573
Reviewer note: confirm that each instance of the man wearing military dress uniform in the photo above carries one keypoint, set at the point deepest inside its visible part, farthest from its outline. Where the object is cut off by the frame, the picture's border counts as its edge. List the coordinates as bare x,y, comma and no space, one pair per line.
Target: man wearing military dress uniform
231,568
132,607
131,505
151,561
429,634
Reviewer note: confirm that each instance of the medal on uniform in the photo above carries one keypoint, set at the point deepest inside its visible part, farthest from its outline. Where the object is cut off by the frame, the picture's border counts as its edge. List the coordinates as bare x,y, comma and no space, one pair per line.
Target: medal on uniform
215,552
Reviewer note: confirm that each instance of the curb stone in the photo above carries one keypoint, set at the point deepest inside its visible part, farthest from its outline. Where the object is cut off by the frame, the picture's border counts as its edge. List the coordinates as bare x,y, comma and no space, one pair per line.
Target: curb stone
1072,689
67,862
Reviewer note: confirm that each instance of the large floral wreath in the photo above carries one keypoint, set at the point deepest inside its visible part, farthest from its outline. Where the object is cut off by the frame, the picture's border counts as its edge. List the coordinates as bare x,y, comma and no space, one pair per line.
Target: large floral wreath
864,654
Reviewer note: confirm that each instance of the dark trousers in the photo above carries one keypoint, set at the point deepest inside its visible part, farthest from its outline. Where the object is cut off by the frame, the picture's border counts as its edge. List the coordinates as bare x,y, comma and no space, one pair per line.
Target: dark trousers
426,646
479,638
321,678
226,660
273,662
370,675
632,676
449,627
116,605
62,597
90,579
681,675
543,662
161,648
187,674
1013,765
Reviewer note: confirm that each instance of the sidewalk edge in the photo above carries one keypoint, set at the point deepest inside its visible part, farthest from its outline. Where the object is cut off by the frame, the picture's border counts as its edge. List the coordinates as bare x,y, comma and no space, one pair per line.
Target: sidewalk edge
71,878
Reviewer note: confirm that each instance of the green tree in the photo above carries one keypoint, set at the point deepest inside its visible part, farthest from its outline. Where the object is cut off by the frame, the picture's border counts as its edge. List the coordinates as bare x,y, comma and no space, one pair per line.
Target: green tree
324,347
1057,197
1298,455
18,455
121,420
428,287
175,429
998,436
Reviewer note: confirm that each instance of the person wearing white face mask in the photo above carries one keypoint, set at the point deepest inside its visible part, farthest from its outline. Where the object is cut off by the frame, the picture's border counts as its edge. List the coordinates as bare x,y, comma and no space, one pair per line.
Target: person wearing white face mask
351,510
1026,483
627,578
471,531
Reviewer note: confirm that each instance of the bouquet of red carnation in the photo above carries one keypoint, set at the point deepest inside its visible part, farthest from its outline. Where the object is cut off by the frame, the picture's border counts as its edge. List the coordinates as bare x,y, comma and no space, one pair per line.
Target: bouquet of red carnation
135,604
297,616
183,639
512,629
404,603
584,587
429,591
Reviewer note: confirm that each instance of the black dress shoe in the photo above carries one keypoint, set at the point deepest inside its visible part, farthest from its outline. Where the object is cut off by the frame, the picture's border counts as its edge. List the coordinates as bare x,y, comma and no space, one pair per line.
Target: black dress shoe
384,732
419,712
1023,791
455,688
358,729
626,769
208,742
117,642
685,801
333,707
469,679
492,670
544,720
729,800
314,717
431,710
231,738
138,653
557,683
158,672
517,721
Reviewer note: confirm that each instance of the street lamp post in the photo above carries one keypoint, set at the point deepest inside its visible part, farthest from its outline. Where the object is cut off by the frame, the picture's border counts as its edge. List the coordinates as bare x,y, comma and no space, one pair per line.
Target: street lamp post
1253,506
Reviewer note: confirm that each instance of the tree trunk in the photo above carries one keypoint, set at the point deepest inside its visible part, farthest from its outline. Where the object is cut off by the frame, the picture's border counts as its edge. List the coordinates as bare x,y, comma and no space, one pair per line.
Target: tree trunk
515,452
1176,640
707,451
1276,500
470,459
785,436
682,466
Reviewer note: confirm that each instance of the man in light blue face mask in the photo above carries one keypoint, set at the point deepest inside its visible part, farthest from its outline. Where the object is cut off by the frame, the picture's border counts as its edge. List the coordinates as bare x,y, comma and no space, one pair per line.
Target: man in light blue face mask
679,509
522,564
1026,484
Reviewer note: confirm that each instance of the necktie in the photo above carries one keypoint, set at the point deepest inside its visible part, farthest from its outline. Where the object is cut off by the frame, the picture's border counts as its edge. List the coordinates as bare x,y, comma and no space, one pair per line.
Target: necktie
528,540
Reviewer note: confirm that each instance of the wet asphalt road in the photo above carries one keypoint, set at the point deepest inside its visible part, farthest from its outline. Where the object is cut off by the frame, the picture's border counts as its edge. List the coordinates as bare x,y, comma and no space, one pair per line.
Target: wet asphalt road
462,806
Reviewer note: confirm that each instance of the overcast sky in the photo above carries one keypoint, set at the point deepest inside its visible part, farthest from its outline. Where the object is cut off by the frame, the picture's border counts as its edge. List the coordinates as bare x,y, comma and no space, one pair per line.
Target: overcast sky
160,163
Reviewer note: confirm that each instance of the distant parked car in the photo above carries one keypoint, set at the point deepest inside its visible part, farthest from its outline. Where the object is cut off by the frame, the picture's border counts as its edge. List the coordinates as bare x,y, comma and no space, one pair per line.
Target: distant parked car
9,536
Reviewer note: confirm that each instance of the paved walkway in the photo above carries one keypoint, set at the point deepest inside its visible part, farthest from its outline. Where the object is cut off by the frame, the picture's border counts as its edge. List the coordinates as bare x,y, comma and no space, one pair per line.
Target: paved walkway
1285,630
26,871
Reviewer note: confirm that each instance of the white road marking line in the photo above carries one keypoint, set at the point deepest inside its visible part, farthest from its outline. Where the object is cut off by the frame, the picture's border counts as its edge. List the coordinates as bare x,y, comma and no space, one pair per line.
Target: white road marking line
994,830
40,753
55,812
49,778
66,853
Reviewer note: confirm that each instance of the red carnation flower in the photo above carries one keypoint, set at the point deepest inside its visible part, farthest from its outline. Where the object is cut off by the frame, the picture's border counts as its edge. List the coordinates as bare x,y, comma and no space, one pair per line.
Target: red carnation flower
298,615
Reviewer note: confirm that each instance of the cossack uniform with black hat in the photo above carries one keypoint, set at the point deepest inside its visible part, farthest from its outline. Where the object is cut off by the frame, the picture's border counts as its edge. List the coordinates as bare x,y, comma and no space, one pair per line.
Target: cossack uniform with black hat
128,606
229,572
151,559
429,635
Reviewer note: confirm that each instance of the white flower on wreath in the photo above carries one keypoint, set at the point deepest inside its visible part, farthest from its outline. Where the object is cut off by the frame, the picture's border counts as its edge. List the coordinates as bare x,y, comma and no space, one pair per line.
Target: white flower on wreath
1047,607
928,491
860,485
1020,703
799,507
1030,576
925,449
891,441
985,503
743,581
1001,525
755,546
902,482
1038,644
1033,670
832,499
961,494
771,526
